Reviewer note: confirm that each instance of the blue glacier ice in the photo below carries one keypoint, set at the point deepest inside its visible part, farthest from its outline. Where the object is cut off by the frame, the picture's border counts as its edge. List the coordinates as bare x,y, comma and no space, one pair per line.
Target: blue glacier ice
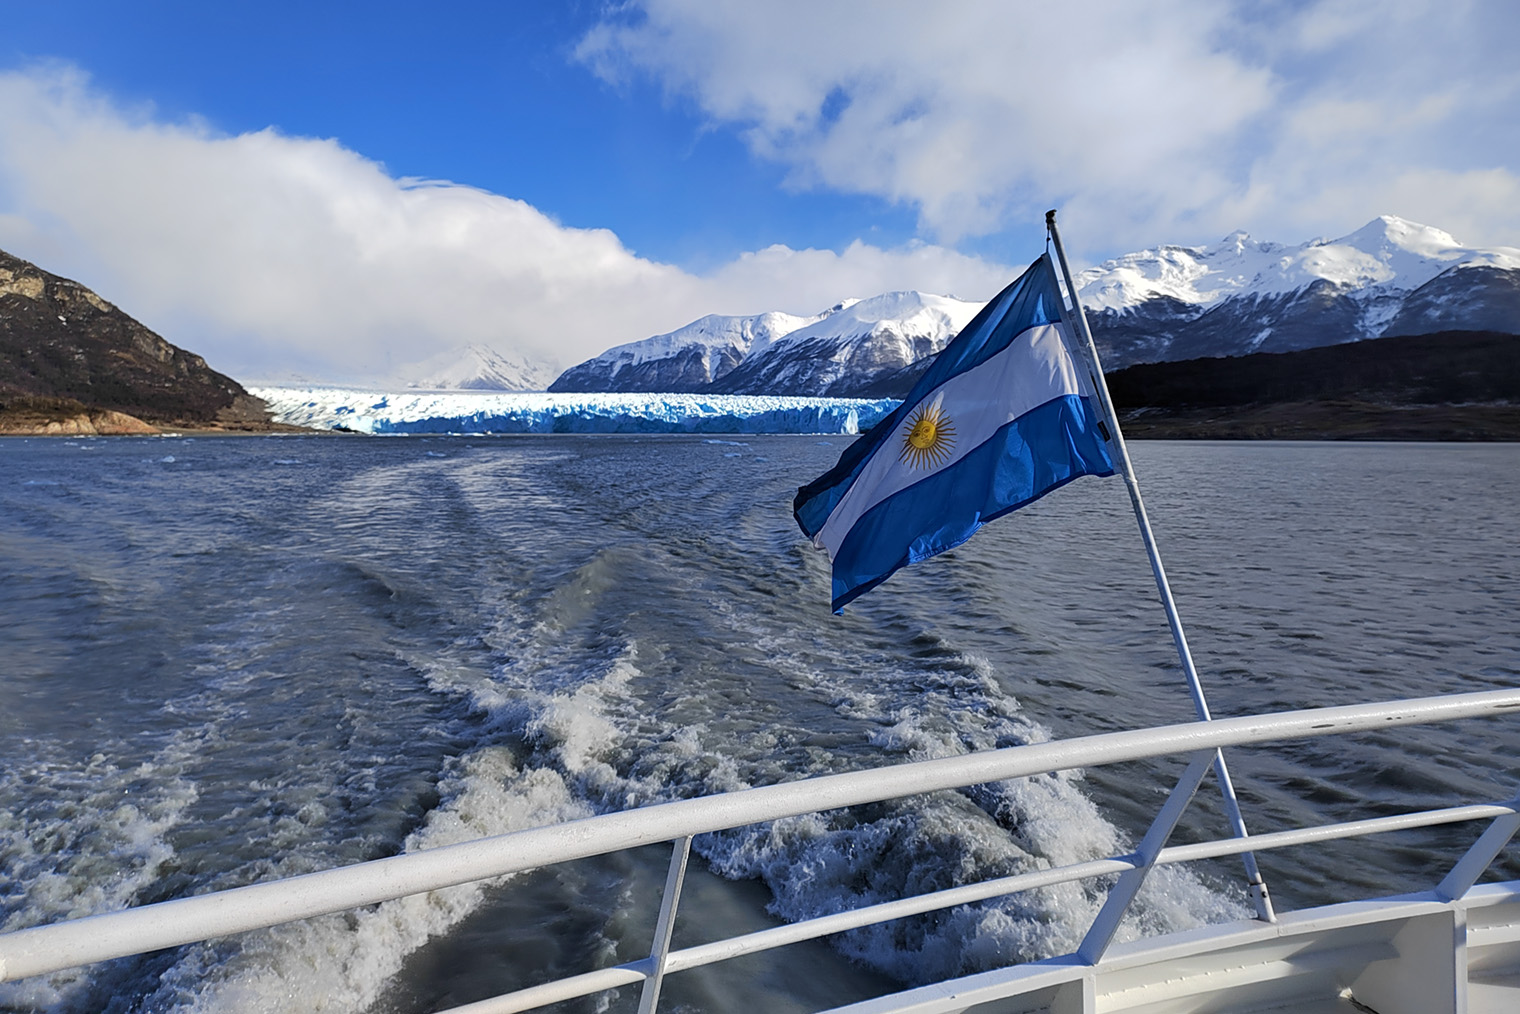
503,412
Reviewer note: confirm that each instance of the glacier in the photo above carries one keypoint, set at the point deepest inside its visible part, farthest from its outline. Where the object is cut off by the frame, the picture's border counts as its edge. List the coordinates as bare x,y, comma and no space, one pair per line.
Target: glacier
464,412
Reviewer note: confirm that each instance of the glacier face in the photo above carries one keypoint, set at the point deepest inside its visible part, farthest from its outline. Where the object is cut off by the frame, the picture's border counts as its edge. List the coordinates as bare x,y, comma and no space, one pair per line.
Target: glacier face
460,412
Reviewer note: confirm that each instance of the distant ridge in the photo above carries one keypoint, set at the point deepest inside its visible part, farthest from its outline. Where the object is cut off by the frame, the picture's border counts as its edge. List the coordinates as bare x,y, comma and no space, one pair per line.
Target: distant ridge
1240,295
478,368
837,353
687,360
1231,298
67,356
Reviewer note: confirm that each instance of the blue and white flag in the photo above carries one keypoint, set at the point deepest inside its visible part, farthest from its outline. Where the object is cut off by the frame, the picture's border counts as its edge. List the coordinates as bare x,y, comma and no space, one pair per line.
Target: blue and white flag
1002,416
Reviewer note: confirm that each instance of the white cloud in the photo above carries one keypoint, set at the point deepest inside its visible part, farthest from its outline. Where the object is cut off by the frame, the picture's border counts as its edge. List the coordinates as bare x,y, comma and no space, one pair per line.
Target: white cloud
273,255
1171,121
1176,120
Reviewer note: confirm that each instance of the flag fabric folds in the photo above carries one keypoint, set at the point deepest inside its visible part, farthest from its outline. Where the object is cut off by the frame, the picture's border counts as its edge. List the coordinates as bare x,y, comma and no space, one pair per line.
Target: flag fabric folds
1002,416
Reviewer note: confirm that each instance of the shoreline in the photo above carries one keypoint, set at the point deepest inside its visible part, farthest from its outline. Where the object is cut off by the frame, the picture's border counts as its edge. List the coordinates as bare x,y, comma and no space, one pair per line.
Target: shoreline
1329,420
49,418
1349,421
87,427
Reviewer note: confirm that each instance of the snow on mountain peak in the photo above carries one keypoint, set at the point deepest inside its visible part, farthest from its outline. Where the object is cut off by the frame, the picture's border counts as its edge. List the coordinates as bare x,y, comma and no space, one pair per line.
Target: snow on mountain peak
1231,297
478,368
768,351
1388,252
1236,242
1387,233
907,312
716,333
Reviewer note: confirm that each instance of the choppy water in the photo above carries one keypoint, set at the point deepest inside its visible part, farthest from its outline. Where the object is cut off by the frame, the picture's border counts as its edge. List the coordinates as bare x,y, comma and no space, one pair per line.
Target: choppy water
225,660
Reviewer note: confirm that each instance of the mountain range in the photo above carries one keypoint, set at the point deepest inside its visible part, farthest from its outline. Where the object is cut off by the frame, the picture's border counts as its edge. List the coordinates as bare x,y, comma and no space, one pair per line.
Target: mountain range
835,353
1232,298
1239,296
67,355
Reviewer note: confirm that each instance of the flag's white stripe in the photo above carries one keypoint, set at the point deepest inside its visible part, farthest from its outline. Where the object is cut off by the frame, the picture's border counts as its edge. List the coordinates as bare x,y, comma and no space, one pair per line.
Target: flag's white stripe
1033,369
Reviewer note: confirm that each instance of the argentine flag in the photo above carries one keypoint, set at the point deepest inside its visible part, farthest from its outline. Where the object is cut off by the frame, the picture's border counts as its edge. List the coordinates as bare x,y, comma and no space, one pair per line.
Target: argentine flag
1003,416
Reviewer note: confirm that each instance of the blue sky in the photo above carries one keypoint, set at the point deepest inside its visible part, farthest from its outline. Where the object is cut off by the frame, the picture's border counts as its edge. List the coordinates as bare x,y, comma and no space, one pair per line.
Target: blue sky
242,177
489,95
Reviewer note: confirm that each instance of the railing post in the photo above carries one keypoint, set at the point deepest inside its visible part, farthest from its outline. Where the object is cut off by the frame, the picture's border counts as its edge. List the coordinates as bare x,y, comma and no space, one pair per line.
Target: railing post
1104,925
1254,882
1477,859
680,852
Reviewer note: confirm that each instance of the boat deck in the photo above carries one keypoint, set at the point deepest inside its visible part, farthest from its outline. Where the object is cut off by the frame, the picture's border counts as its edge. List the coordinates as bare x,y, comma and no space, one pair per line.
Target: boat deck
1409,955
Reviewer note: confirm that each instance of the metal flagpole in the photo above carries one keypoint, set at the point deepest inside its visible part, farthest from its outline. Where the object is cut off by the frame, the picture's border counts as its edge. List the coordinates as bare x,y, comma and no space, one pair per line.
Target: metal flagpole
1256,885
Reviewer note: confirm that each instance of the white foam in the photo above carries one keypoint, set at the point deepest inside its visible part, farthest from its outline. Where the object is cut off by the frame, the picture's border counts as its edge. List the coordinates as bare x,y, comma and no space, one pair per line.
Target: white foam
819,864
342,963
582,742
90,838
569,739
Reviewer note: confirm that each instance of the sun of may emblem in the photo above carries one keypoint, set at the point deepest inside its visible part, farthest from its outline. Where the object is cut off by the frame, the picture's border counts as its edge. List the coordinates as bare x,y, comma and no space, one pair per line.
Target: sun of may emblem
928,438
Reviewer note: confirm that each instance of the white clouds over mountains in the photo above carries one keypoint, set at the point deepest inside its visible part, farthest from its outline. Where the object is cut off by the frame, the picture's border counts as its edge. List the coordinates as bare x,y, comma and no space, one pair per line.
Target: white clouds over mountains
1174,121
275,256
280,256
1167,121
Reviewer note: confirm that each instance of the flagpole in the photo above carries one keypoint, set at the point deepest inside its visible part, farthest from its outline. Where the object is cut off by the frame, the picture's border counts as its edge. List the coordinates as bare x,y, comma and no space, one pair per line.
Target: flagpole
1255,884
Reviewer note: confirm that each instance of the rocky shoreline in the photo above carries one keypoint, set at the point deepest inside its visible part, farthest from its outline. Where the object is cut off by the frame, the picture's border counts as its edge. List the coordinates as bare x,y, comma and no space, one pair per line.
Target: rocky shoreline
67,417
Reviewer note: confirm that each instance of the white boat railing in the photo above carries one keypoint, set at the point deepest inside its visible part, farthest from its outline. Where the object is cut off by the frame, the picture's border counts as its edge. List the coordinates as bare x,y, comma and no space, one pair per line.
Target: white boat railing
43,949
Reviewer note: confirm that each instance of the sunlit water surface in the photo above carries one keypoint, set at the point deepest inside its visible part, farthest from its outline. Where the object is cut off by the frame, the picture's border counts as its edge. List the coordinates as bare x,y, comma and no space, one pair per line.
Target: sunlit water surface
228,660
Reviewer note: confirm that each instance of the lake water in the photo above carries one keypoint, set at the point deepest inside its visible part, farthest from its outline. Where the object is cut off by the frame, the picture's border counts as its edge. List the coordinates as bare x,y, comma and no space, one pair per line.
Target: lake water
228,660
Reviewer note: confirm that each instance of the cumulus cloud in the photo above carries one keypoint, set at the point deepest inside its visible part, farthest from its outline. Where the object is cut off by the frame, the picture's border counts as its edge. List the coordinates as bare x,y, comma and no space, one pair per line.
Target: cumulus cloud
1171,121
276,256
1176,120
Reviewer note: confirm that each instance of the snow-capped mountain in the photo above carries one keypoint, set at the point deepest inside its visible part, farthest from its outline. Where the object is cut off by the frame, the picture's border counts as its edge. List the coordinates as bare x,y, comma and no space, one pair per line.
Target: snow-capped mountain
835,353
478,368
1241,295
687,359
854,345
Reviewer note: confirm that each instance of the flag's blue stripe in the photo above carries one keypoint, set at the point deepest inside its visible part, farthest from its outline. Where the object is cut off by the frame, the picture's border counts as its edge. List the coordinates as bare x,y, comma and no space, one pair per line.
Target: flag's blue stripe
1031,300
1030,456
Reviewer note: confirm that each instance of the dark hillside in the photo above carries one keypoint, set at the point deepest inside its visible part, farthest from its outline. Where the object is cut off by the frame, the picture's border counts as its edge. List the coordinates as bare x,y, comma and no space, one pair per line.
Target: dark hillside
1454,385
1429,369
61,343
